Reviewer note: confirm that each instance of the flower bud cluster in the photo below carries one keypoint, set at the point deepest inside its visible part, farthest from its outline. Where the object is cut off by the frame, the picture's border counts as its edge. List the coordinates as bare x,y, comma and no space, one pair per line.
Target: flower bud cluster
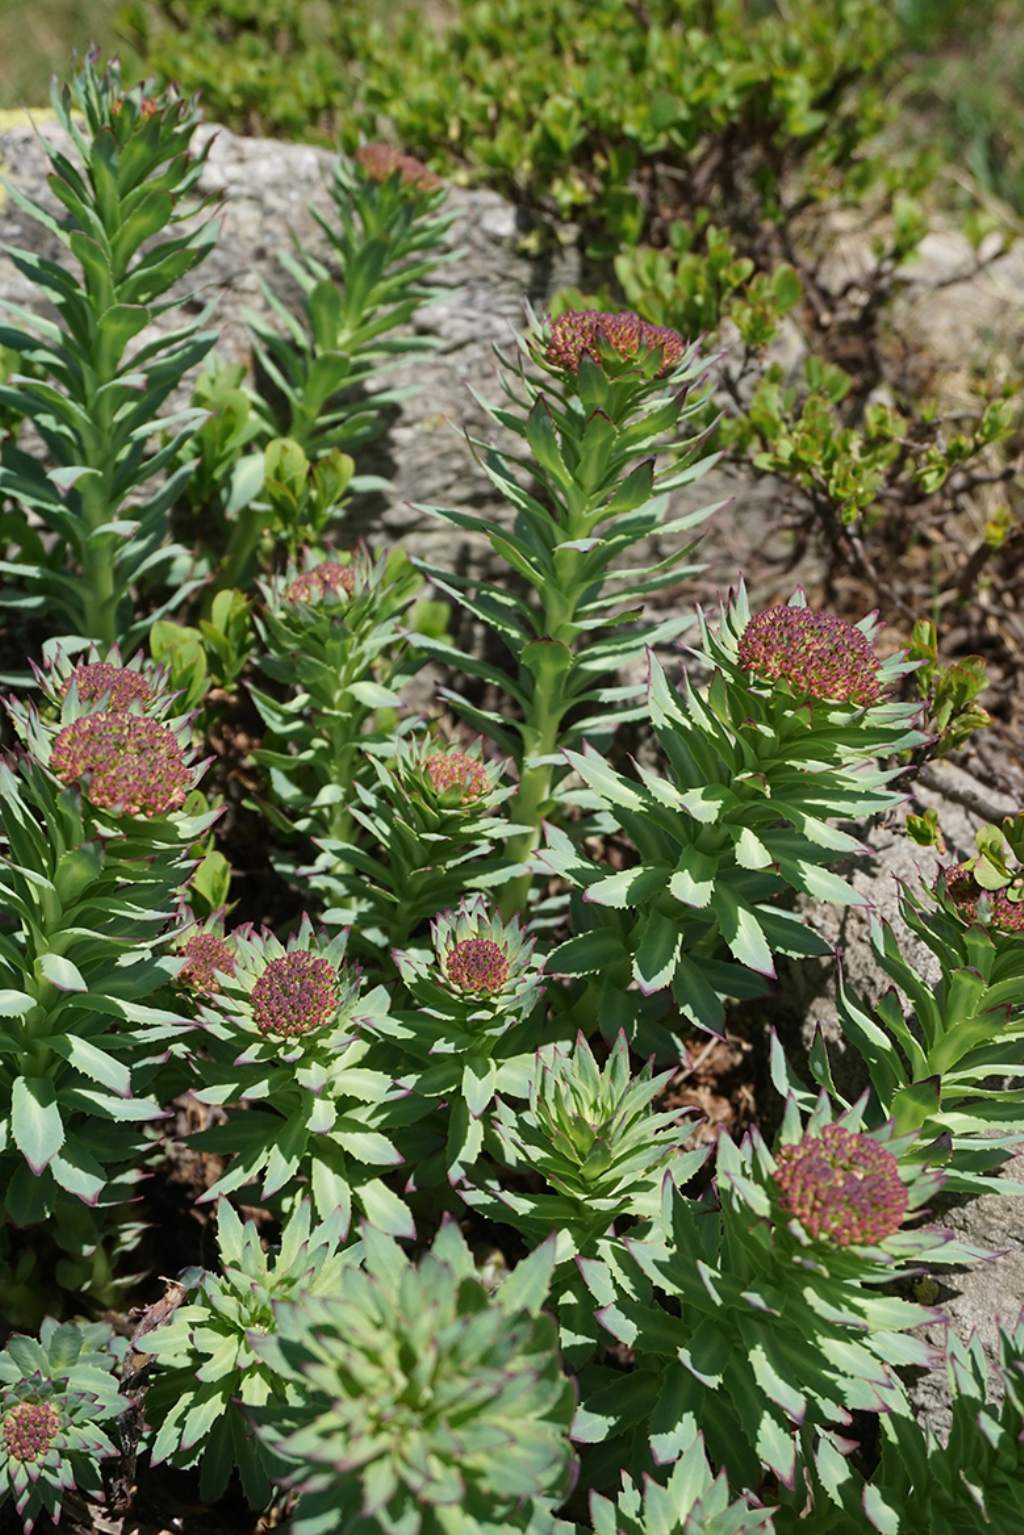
29,1429
457,774
842,1187
379,162
580,333
126,763
819,655
206,955
295,994
477,964
119,686
329,579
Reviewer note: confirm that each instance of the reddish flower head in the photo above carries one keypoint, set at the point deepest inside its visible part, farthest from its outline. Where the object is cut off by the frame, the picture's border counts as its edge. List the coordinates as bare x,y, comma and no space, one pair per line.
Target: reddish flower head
477,964
819,655
330,579
205,955
457,770
295,995
29,1430
580,332
129,764
842,1187
379,161
964,893
121,686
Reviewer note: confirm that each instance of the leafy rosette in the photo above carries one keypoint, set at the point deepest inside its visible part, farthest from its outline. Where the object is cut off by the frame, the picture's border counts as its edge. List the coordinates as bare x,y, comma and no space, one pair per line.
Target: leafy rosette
433,827
778,1328
969,1479
59,1404
691,1502
426,1404
334,640
476,993
206,1372
285,1050
98,833
758,767
945,1056
988,889
592,1134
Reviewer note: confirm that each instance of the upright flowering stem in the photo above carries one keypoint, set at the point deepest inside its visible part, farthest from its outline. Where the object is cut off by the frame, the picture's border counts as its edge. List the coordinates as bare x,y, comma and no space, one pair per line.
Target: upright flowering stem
386,239
128,181
599,401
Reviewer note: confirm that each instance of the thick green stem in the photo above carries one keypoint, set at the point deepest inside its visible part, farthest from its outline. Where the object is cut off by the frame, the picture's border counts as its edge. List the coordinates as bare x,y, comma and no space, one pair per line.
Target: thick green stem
535,784
239,557
98,579
543,728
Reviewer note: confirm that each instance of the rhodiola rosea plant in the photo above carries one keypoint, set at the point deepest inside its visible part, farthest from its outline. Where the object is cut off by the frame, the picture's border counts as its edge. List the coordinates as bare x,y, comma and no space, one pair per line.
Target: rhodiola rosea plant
132,228
462,1256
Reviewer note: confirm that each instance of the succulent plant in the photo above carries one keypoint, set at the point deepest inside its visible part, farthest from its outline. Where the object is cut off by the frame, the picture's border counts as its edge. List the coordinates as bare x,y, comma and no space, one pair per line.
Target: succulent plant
782,1330
602,443
284,1050
924,1484
426,1404
758,766
591,1133
691,1502
97,835
124,189
59,1406
332,635
92,680
988,889
947,1064
205,1372
386,237
474,992
432,827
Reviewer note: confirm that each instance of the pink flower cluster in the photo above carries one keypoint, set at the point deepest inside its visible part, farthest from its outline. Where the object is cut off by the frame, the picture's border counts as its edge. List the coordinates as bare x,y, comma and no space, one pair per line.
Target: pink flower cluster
30,1429
964,892
457,770
580,333
819,655
205,955
330,579
842,1187
379,161
477,964
120,685
131,765
295,995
